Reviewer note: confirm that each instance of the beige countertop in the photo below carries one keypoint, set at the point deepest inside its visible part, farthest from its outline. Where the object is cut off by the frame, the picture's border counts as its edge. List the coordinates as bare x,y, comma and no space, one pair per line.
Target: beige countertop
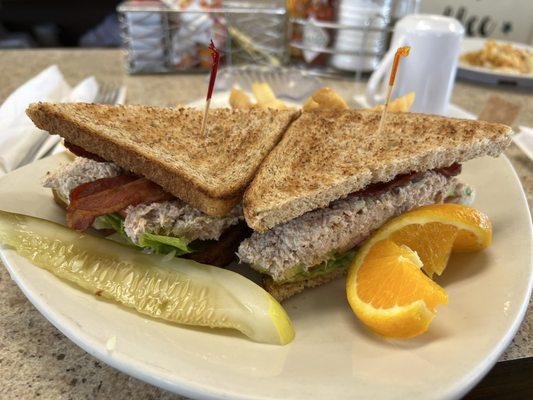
36,360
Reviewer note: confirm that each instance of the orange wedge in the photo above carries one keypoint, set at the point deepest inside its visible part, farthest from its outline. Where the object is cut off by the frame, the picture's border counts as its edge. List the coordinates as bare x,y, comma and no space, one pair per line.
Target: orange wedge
386,287
388,292
437,230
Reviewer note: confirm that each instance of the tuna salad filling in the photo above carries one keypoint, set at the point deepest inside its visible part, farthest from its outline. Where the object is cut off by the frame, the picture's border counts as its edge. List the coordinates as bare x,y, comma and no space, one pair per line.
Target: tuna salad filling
70,175
160,227
175,218
322,240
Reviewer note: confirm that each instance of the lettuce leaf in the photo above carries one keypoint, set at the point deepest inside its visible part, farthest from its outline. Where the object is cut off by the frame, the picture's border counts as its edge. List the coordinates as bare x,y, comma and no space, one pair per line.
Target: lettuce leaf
338,261
298,273
113,221
158,244
165,244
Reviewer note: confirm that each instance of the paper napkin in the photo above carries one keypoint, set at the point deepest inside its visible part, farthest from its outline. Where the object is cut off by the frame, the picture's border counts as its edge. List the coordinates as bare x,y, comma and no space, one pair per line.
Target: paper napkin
19,138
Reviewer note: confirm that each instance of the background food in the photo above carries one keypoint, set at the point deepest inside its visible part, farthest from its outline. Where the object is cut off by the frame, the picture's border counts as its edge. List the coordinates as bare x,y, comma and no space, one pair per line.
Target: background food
239,99
401,104
502,57
322,99
265,96
325,99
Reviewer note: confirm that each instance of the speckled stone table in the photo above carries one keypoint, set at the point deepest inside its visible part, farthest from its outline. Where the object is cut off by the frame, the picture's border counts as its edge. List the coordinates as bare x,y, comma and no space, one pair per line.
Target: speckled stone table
36,360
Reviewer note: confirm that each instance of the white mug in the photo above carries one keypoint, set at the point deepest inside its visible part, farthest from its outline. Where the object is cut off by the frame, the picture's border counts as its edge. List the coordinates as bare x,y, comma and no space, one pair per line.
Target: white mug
430,68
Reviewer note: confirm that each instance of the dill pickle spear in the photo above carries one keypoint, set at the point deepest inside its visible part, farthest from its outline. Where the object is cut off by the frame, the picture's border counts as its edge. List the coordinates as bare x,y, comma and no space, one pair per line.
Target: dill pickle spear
176,290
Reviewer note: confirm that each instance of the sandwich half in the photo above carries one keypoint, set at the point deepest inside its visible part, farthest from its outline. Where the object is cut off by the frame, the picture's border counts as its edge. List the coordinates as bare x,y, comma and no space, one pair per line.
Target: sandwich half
148,174
333,179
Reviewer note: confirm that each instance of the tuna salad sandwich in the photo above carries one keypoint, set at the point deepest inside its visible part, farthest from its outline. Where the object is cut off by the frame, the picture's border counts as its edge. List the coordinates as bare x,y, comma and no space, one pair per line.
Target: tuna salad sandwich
148,174
333,179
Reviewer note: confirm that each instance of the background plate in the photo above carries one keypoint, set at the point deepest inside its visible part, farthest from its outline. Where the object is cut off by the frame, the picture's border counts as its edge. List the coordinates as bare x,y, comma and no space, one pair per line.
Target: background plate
333,356
486,75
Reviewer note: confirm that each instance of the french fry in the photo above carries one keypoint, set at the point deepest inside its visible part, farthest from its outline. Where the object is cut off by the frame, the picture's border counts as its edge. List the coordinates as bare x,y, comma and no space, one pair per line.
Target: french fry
310,105
265,96
278,105
263,93
328,99
401,104
325,99
239,99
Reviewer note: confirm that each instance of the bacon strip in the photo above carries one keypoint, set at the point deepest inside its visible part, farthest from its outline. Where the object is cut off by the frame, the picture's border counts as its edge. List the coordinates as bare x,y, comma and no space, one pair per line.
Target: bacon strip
81,152
82,211
99,185
376,189
452,170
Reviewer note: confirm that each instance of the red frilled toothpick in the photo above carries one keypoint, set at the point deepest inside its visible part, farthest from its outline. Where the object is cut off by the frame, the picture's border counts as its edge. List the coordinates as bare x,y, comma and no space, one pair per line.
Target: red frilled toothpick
215,54
401,52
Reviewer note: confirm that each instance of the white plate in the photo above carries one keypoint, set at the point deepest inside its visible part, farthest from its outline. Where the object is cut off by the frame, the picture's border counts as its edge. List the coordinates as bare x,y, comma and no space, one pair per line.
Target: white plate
486,75
333,356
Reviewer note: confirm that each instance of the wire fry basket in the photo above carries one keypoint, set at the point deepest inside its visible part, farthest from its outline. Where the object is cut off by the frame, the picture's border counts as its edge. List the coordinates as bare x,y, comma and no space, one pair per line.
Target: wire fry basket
159,39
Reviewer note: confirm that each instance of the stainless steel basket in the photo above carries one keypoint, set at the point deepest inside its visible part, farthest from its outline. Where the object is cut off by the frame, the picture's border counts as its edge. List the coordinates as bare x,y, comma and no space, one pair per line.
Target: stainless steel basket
365,58
335,46
350,37
158,38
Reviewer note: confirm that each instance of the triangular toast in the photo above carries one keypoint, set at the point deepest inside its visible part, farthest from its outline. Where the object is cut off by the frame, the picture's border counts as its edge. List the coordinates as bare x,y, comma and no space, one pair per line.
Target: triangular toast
324,156
210,171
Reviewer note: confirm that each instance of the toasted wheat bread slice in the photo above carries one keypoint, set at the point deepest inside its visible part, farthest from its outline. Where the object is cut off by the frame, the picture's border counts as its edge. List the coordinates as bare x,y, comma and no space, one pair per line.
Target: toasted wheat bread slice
324,156
59,200
282,291
209,171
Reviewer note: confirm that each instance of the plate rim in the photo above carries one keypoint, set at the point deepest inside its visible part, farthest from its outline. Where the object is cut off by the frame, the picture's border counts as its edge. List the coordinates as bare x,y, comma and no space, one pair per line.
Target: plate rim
492,358
132,367
118,361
